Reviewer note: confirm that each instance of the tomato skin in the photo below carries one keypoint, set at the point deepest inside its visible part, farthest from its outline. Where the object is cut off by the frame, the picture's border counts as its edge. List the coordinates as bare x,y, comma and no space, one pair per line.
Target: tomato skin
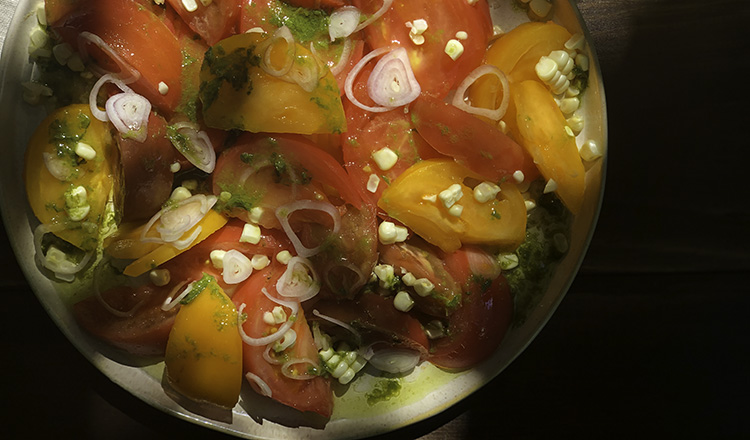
213,22
313,395
130,27
470,141
477,328
146,174
436,72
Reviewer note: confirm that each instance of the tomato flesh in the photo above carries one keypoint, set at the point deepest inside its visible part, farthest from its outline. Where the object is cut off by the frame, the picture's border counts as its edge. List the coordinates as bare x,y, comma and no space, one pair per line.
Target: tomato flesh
470,141
313,394
436,72
130,28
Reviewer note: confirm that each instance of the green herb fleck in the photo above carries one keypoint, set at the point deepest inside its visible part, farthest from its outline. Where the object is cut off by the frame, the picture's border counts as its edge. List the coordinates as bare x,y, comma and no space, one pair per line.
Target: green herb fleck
198,287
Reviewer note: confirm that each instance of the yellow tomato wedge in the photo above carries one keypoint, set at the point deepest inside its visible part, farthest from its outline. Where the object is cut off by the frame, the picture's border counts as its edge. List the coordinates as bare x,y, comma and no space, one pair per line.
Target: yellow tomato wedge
237,93
76,196
542,128
203,358
212,222
516,54
414,200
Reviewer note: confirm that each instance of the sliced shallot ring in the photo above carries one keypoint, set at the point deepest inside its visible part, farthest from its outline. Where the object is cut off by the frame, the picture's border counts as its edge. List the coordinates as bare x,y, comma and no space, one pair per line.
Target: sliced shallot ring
343,22
63,273
459,99
171,301
284,211
263,387
361,278
202,153
285,34
354,73
290,284
394,360
305,75
125,67
286,369
267,356
257,342
129,112
94,94
379,13
346,54
172,233
237,267
392,83
186,242
355,333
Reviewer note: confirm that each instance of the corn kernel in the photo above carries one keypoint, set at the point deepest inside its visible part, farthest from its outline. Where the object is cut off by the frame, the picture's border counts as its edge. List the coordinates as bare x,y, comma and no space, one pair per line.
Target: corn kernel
250,234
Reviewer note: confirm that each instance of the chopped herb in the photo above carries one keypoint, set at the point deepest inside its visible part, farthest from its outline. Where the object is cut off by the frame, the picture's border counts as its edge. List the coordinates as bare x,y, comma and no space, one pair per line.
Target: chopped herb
246,158
198,287
230,68
279,165
384,390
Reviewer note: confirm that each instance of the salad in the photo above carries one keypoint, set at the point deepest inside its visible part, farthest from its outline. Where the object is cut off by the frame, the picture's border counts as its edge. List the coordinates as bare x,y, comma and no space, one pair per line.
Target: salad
295,193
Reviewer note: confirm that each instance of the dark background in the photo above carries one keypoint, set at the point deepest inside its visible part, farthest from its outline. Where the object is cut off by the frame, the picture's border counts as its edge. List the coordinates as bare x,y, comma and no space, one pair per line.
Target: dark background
652,338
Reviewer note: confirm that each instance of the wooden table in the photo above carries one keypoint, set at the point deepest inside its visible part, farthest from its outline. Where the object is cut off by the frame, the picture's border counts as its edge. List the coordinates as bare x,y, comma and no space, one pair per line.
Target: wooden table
651,340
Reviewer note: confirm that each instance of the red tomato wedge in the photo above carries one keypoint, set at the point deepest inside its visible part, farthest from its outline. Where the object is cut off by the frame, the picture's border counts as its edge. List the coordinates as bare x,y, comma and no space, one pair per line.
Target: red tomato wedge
268,172
476,329
131,28
313,394
368,132
214,21
470,141
436,72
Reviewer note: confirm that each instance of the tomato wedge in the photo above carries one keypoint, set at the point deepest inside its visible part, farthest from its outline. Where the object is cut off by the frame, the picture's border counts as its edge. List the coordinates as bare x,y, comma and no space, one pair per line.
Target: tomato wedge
311,394
370,132
476,329
470,141
130,28
267,172
436,72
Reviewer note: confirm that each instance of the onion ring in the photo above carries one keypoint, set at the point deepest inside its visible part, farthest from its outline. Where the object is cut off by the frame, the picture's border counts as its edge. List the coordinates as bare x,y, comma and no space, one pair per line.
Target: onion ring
494,114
